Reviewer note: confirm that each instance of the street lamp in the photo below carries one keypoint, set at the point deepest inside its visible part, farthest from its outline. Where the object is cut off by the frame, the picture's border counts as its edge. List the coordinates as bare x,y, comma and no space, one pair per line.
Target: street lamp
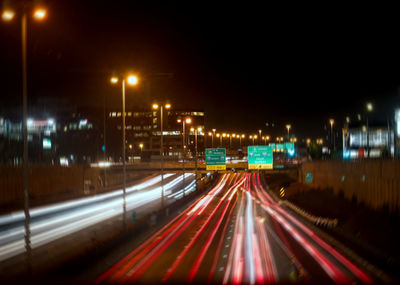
184,121
259,132
369,109
212,138
240,139
7,16
132,80
288,130
196,131
332,121
220,139
155,107
141,148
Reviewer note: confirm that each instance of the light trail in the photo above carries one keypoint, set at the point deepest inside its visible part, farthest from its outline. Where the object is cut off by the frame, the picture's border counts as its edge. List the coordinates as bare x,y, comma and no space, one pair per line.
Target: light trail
60,220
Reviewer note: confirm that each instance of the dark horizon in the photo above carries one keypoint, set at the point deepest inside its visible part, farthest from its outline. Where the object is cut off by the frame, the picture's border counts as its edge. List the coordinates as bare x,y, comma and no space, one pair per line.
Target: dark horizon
244,65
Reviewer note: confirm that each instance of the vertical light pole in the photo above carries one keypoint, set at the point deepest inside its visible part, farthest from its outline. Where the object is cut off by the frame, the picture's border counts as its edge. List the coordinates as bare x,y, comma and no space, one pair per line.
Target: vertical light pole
183,121
369,109
259,132
223,136
332,121
212,138
155,107
254,137
195,149
220,139
240,139
210,134
288,130
132,80
230,141
8,15
251,137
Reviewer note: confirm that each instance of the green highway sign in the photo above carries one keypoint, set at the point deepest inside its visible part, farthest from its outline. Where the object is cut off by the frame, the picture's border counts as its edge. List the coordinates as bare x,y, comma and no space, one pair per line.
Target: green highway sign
273,146
215,159
289,146
260,157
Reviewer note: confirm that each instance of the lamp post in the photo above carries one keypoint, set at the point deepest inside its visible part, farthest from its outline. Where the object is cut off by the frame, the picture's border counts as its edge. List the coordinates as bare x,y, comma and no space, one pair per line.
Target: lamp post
240,139
155,107
39,13
254,137
141,148
184,121
223,135
212,138
210,134
195,149
288,130
259,132
132,80
369,109
332,121
230,141
220,139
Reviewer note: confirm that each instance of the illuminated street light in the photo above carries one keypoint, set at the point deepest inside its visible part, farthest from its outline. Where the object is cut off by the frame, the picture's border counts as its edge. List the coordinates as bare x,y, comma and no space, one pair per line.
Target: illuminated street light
39,13
187,120
115,80
8,15
141,147
332,121
155,107
132,80
369,109
288,130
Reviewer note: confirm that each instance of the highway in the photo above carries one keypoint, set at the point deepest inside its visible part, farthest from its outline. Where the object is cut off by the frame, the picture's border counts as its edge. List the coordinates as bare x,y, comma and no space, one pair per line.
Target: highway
236,233
52,222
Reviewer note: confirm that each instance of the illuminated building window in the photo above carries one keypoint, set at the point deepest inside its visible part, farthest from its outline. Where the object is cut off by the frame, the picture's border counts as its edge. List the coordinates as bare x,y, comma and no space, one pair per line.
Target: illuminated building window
137,128
114,114
119,114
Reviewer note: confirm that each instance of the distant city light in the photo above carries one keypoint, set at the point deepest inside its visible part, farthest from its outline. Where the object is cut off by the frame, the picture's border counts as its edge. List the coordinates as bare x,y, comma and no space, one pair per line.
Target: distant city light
369,107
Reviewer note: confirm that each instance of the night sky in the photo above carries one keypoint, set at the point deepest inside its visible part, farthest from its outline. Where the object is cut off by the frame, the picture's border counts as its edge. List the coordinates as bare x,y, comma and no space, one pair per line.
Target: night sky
244,64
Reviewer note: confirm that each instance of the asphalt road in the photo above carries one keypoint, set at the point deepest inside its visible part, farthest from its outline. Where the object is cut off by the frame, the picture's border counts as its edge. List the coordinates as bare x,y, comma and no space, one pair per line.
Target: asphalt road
236,233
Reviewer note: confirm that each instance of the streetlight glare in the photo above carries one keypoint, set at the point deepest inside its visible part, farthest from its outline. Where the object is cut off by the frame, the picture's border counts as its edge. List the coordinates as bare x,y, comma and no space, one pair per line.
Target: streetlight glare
331,121
209,133
114,80
132,80
155,106
369,107
243,136
199,129
167,106
188,120
39,14
192,129
7,15
218,135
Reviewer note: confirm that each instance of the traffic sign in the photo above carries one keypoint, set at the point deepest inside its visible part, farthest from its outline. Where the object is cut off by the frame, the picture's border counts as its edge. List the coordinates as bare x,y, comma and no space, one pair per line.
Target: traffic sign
260,157
280,147
215,159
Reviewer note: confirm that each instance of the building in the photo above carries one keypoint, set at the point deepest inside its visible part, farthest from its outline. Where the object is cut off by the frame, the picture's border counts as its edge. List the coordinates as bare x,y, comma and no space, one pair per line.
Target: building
359,137
143,133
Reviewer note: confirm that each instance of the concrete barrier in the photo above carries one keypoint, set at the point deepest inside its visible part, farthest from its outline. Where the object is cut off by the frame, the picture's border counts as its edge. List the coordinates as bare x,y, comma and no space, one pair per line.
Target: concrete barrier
374,183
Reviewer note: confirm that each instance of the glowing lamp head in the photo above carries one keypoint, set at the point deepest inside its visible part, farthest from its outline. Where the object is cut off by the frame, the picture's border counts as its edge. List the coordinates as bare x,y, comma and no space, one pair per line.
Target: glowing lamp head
132,80
199,129
188,120
39,14
210,134
155,106
243,136
168,106
224,135
218,135
192,129
331,121
114,80
7,15
141,145
370,107
214,130
179,120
